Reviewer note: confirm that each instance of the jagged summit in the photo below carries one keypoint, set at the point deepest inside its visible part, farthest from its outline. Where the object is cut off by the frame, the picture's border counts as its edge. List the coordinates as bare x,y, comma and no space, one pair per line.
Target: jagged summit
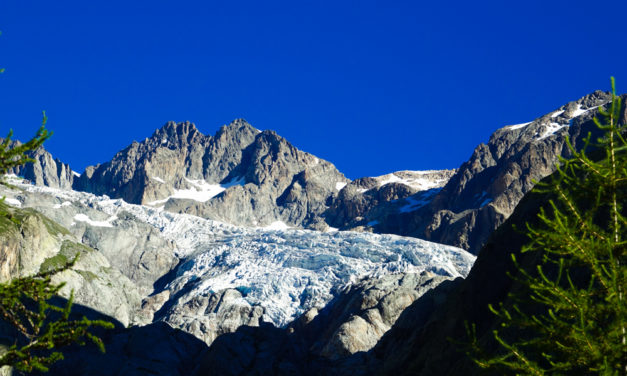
239,125
236,176
557,120
179,134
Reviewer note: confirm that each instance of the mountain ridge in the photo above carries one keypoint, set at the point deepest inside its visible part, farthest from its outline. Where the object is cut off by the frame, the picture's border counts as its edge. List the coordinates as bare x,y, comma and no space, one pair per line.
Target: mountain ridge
257,178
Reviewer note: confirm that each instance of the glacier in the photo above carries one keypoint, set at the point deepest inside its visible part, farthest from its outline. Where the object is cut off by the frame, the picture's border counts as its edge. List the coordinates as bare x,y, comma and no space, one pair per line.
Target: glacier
285,271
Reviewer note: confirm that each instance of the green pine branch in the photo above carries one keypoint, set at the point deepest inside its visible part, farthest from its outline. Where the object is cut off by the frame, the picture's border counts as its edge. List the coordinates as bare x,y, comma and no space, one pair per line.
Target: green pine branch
568,314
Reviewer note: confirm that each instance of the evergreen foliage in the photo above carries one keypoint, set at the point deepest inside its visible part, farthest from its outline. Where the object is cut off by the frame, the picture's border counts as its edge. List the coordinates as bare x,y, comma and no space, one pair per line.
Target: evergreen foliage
13,154
568,312
40,327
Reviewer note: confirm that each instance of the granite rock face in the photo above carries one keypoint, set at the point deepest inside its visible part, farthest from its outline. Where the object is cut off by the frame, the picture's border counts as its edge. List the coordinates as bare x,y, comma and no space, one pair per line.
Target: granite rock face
45,170
240,176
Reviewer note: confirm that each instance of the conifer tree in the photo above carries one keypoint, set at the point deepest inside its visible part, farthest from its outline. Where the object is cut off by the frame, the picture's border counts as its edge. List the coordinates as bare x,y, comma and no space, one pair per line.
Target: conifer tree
39,327
568,312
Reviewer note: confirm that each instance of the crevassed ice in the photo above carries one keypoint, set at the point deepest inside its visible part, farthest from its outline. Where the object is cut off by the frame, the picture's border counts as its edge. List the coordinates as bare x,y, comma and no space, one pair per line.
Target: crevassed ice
284,271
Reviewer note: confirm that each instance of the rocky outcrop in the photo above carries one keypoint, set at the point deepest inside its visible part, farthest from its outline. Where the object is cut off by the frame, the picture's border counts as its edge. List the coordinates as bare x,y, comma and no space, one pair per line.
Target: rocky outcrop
320,340
131,247
417,343
240,175
39,244
485,190
208,316
45,170
362,313
364,203
135,174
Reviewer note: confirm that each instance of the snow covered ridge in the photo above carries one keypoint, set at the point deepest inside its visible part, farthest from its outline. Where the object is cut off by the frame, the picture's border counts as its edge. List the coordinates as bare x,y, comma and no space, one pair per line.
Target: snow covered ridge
418,180
284,271
551,123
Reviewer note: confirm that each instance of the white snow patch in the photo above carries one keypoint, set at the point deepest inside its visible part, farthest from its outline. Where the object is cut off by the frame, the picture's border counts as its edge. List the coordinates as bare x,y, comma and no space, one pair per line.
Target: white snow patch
76,174
156,178
63,204
557,113
339,185
579,111
13,202
516,126
414,203
89,221
13,179
200,190
276,225
414,179
551,129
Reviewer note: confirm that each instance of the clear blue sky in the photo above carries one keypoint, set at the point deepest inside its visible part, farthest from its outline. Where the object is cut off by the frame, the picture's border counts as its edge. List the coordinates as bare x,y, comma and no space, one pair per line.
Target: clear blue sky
372,86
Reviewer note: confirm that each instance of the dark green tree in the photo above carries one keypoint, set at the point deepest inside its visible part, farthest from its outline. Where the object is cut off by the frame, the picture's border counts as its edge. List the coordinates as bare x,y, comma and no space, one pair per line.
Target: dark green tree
40,327
568,312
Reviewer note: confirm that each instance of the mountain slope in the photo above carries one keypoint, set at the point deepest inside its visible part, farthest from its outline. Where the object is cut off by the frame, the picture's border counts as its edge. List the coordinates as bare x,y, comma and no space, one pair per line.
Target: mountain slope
484,191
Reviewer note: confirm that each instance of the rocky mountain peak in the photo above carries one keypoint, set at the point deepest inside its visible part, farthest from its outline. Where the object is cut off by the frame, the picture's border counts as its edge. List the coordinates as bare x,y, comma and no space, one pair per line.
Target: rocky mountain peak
240,175
45,170
239,125
175,135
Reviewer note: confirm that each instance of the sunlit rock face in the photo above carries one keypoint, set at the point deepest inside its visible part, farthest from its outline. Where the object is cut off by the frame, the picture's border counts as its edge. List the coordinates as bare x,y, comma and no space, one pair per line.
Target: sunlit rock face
44,170
240,175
